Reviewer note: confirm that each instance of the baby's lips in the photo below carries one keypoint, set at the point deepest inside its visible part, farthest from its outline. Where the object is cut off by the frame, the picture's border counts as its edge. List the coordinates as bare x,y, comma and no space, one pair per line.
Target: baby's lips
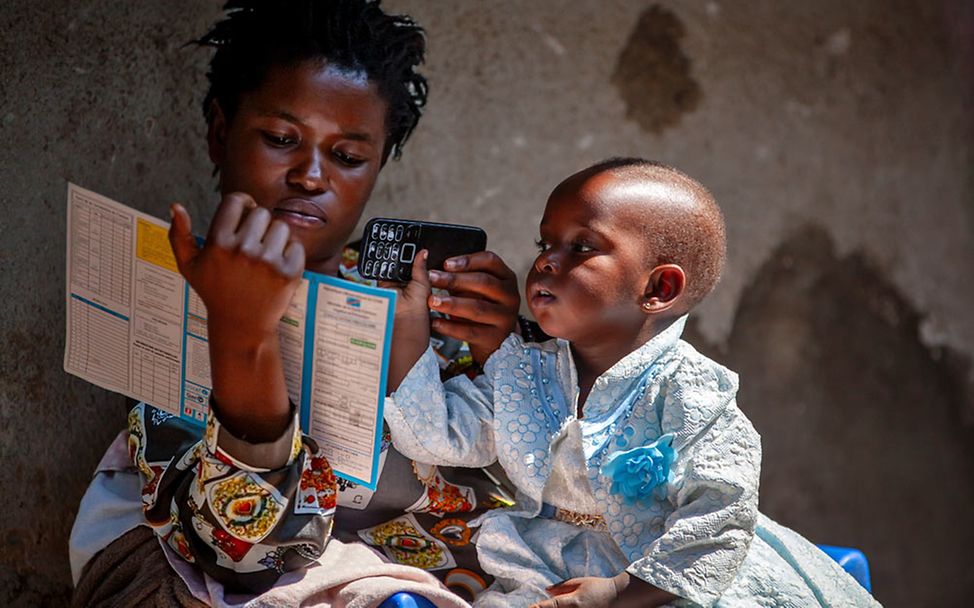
539,290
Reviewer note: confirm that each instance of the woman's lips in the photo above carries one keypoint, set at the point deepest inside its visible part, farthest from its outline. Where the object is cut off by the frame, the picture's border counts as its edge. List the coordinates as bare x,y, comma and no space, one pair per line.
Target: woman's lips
300,212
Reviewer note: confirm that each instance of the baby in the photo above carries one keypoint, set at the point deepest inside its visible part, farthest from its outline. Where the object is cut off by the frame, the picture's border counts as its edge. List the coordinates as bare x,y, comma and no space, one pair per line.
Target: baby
636,474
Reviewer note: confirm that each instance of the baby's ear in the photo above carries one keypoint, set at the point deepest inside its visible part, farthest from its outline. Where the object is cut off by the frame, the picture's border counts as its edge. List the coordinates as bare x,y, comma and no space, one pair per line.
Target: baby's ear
216,133
664,289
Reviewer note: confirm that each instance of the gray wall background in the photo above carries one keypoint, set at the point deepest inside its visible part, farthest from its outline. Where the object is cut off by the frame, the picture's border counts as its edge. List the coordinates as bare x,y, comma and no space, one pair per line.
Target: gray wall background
836,135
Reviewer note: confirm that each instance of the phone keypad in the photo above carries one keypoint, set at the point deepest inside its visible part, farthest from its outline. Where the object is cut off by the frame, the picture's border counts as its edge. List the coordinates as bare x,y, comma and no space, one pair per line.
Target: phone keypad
390,251
408,253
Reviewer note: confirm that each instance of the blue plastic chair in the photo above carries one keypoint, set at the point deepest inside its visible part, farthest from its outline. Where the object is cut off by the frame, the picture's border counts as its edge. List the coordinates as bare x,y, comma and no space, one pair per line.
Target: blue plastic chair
405,599
852,561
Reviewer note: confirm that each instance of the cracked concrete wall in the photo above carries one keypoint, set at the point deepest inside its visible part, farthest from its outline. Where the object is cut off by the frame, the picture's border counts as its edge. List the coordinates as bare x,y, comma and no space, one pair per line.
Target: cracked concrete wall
836,136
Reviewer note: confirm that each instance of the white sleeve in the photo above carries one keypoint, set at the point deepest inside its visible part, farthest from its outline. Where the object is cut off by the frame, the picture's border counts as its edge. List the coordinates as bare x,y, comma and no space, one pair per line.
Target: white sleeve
111,506
447,423
715,491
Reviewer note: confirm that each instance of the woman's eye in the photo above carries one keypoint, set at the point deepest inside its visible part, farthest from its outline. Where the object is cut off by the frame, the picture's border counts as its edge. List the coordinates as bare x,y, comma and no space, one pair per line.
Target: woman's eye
348,160
541,245
277,140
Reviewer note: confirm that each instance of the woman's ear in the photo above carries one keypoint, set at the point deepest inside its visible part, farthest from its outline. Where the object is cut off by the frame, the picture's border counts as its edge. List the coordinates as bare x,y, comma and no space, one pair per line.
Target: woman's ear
664,289
216,134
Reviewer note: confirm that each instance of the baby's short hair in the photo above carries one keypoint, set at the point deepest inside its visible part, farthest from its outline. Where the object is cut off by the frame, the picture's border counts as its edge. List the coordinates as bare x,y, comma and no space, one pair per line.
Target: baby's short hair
350,34
691,236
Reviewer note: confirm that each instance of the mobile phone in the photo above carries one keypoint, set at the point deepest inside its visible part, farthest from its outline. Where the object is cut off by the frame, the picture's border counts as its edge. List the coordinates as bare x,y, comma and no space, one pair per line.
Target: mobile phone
389,246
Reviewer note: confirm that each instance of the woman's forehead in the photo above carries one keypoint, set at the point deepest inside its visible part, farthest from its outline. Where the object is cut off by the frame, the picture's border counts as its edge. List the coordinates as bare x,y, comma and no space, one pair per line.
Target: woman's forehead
314,84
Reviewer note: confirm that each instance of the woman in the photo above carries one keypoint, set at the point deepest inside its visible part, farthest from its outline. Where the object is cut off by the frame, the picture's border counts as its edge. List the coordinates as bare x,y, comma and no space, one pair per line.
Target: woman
307,102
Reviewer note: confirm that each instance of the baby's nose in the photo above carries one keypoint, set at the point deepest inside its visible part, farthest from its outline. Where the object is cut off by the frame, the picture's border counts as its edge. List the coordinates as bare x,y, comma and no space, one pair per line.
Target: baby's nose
546,263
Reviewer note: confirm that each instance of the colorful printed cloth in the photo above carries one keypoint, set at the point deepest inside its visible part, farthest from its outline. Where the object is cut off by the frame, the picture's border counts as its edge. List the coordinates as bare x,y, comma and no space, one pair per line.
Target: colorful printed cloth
671,463
246,513
210,497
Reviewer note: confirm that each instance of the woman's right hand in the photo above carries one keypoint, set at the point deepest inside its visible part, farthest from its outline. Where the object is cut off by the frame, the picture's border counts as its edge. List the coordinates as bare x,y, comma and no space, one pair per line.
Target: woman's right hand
248,268
246,274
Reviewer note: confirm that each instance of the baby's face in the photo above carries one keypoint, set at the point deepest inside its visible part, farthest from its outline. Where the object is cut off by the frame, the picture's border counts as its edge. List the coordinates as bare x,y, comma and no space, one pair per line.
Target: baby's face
588,281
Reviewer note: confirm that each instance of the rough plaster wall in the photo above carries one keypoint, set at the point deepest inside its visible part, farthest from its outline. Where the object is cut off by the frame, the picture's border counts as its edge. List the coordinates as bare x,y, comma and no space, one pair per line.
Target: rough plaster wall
836,136
99,93
846,398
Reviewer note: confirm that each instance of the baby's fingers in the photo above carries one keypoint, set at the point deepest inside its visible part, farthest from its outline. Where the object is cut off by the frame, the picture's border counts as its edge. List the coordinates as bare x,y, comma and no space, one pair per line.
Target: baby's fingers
563,587
559,601
418,287
420,275
412,306
479,284
415,293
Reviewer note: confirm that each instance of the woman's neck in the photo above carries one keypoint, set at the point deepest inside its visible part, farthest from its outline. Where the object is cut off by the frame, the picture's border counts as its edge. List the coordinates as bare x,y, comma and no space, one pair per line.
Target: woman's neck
327,266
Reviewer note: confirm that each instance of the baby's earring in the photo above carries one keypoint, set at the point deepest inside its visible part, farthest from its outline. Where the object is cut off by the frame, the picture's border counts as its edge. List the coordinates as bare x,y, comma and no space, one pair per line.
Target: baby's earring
647,305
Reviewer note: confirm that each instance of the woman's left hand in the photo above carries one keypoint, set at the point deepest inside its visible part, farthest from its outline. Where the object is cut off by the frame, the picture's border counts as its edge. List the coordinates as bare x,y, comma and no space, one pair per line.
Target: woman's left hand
483,301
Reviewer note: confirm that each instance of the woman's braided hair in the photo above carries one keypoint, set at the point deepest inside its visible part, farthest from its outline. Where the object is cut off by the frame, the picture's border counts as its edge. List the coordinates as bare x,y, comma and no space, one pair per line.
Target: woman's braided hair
349,34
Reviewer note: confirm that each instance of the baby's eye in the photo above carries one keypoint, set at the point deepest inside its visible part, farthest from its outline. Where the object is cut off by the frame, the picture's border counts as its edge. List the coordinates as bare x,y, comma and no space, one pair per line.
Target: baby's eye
277,140
348,160
541,245
582,248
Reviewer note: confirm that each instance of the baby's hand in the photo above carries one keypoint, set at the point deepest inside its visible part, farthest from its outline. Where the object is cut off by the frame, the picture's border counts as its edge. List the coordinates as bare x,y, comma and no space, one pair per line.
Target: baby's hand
412,303
483,301
587,592
411,331
247,270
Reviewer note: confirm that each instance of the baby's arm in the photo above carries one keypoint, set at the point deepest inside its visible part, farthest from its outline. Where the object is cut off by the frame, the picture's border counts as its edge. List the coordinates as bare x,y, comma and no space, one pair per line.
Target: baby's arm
620,591
448,423
706,538
411,330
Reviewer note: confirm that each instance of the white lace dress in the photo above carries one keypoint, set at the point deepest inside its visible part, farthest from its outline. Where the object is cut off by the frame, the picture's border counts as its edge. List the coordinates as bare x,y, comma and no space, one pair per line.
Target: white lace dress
528,555
696,533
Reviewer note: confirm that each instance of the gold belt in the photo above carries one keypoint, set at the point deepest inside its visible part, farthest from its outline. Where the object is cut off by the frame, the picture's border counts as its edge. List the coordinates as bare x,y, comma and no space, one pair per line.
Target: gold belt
584,520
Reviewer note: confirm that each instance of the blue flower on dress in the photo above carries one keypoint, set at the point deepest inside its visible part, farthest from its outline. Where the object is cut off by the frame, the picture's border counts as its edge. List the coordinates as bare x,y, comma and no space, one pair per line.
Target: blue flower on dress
638,472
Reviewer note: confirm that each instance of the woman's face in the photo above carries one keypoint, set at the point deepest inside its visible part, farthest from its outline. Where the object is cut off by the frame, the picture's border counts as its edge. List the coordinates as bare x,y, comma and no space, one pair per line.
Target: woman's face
307,145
